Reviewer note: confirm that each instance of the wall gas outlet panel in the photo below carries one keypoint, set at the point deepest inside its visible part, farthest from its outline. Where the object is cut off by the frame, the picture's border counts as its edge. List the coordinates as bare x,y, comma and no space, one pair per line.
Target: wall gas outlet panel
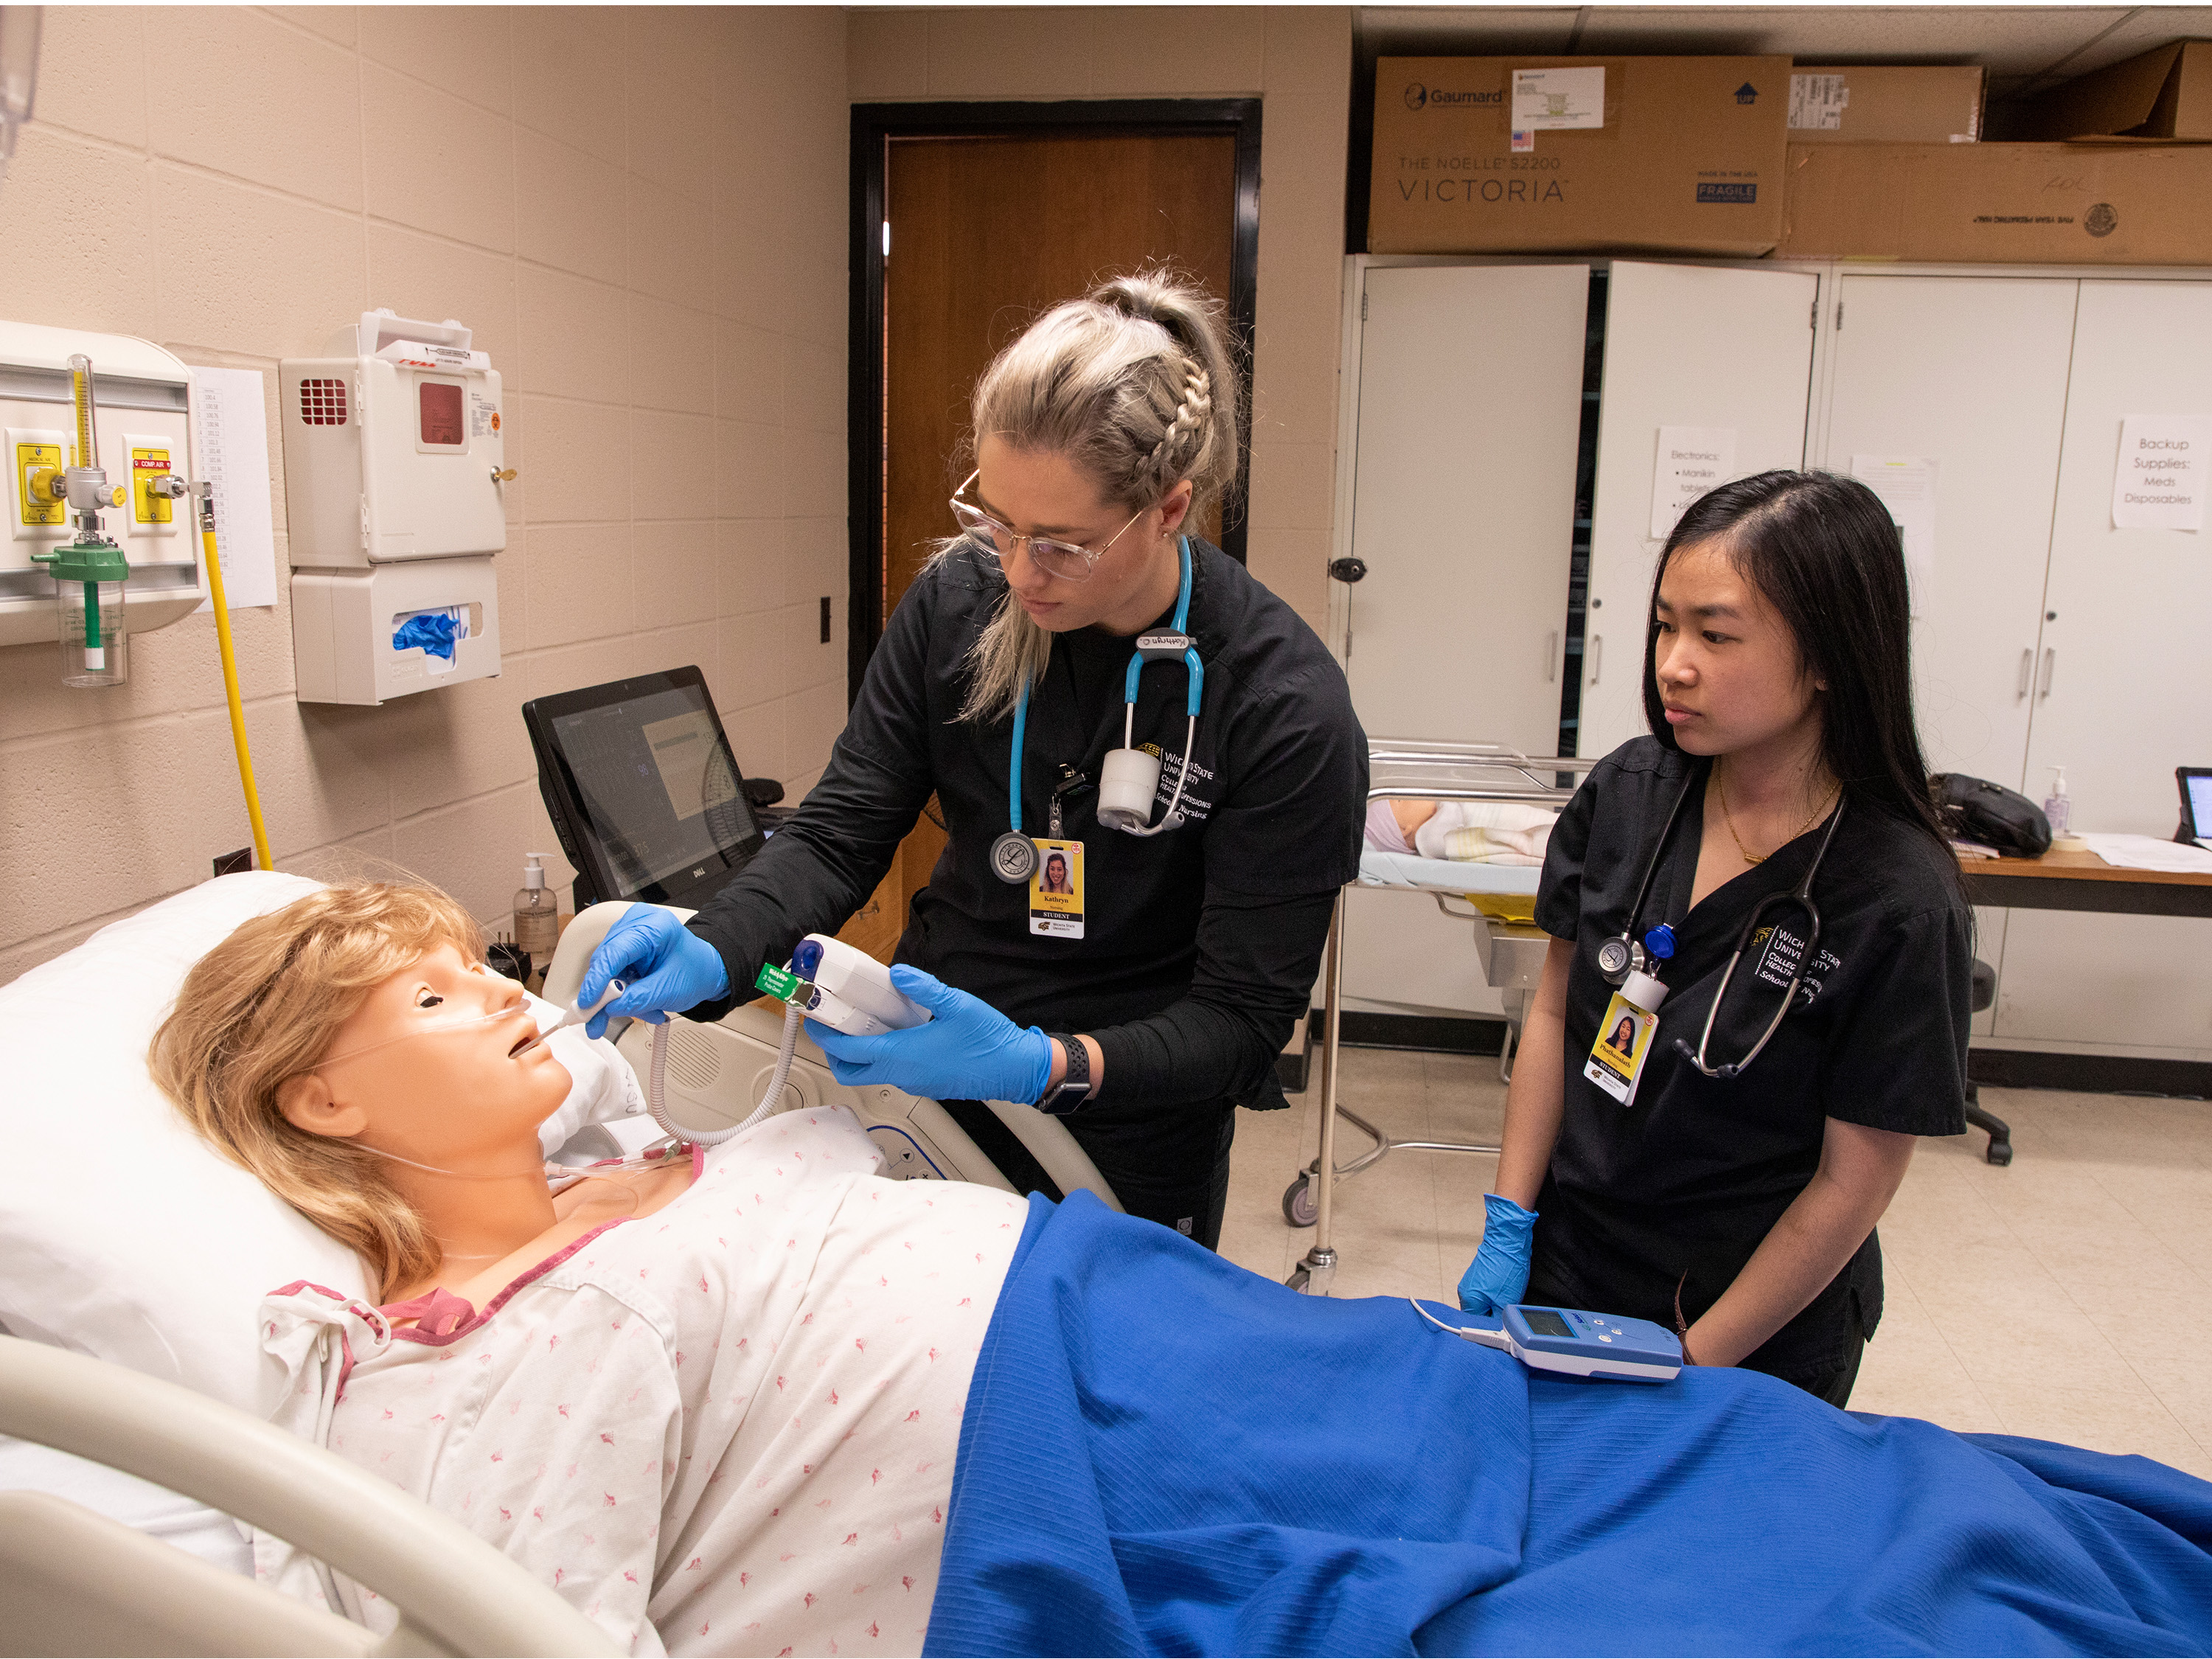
394,489
142,417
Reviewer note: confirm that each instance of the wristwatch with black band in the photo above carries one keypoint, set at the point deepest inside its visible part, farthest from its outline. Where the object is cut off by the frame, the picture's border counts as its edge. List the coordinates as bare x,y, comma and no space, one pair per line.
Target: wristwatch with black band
1075,1085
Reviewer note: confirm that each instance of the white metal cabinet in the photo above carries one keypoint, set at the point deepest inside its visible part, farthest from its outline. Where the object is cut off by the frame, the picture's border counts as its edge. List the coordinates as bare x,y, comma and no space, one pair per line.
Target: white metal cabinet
2122,686
1470,382
1970,372
1685,345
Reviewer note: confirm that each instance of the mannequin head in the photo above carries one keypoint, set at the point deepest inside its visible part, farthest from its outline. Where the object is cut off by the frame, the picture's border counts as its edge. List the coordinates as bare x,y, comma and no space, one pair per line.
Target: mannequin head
361,1016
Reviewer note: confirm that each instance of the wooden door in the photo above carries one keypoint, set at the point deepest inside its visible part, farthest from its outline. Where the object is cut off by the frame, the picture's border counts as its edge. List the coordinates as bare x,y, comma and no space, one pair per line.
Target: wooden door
986,234
983,235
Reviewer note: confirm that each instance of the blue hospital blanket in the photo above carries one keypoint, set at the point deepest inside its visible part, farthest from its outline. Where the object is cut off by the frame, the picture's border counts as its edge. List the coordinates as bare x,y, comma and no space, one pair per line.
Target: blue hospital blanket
1164,1453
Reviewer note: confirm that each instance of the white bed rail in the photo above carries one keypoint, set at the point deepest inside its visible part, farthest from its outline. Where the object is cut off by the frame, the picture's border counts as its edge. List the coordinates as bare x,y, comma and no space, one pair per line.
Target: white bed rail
69,1585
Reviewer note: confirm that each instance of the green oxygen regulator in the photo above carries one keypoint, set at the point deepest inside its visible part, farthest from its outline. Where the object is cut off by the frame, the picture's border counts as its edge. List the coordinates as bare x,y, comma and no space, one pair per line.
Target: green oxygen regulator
90,572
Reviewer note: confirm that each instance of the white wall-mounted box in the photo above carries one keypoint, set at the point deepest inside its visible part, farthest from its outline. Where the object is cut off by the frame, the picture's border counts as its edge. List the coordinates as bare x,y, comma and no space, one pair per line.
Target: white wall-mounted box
394,458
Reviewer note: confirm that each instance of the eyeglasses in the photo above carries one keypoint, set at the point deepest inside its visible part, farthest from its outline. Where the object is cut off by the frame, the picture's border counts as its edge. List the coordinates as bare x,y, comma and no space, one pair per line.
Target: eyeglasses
1063,559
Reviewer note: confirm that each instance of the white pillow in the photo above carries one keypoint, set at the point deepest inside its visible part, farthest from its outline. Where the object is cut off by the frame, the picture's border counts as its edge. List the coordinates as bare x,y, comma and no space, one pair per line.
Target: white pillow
122,1234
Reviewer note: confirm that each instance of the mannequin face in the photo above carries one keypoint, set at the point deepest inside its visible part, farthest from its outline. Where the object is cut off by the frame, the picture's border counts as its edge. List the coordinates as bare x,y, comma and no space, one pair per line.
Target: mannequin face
419,1072
1728,668
1041,493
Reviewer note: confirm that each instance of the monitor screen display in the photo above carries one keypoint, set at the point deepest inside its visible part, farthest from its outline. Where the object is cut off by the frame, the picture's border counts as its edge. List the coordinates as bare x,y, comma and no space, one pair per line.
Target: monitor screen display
2199,785
1544,1322
658,784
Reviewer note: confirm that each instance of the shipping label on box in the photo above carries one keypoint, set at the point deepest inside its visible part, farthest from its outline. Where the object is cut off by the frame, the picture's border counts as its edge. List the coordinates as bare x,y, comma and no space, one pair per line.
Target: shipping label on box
1884,104
1483,154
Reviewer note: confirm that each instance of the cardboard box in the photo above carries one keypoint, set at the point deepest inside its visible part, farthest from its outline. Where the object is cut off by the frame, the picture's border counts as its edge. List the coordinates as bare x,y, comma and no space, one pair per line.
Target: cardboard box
1858,104
2162,97
1671,154
2009,203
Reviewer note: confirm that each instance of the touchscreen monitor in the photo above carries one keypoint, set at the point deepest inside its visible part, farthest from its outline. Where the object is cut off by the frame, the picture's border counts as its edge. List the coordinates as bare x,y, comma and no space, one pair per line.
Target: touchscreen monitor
642,788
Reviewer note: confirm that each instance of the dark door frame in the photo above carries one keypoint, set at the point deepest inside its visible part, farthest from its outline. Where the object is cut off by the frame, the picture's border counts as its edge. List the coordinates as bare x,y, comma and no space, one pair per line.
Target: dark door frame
874,126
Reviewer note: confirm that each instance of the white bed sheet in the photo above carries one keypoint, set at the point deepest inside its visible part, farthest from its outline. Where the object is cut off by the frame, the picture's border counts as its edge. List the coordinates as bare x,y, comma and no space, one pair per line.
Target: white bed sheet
1381,869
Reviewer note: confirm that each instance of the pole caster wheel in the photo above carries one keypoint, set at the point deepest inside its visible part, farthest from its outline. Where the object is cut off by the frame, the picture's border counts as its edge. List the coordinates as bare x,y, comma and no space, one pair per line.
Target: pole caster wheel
1299,1207
2000,1153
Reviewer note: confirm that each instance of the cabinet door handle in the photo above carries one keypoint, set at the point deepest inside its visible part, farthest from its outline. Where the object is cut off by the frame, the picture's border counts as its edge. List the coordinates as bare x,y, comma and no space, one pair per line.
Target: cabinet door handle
1550,656
2026,670
1596,649
2050,661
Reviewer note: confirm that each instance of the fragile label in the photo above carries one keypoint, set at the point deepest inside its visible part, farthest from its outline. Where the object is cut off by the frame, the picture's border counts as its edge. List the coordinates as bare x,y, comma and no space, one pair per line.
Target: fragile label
1548,99
1817,103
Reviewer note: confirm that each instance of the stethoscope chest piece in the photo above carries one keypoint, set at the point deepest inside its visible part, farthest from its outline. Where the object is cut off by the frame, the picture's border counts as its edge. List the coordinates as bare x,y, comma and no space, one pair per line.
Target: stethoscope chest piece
1013,858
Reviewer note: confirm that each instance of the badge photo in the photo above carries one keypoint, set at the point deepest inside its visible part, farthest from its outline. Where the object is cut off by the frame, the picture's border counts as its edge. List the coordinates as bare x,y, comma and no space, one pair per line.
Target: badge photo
1624,1042
1056,890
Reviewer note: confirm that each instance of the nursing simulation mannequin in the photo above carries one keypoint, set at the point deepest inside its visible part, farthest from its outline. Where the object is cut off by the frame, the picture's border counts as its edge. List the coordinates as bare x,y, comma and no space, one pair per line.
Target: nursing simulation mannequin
719,1406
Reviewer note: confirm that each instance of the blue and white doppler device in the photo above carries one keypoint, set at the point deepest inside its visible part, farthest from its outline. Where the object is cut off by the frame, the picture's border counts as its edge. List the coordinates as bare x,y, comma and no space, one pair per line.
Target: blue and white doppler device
1575,1343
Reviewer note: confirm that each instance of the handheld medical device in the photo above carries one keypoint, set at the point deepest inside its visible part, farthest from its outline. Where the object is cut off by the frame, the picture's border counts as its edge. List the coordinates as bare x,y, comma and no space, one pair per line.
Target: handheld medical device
1575,1343
849,990
1129,780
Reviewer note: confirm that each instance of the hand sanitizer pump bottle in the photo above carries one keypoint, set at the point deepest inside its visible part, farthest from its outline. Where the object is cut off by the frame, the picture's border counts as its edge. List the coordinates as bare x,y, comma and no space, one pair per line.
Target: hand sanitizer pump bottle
2057,806
537,916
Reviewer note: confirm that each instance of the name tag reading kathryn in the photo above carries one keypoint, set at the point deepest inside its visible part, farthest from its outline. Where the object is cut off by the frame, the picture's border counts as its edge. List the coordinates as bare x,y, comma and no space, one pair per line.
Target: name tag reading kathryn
1056,890
1624,1043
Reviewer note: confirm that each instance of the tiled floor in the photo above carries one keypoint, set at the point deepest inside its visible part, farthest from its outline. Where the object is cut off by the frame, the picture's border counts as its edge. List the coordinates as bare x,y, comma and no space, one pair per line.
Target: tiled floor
2067,1297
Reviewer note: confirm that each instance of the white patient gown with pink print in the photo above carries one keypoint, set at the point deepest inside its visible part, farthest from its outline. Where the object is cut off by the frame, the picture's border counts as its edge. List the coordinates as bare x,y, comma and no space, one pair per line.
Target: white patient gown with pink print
727,1427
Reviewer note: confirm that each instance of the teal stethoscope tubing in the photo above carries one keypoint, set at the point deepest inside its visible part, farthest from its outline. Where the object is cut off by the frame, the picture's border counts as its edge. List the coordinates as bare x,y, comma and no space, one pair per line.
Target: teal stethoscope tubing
1137,660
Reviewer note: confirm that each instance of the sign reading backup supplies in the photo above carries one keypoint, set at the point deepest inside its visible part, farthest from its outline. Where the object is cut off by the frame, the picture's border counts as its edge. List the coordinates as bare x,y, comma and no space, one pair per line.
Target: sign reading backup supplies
1674,154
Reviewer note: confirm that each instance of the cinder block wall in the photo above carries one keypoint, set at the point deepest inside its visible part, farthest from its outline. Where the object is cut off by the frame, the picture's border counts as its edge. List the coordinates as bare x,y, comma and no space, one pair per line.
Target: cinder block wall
1297,59
642,214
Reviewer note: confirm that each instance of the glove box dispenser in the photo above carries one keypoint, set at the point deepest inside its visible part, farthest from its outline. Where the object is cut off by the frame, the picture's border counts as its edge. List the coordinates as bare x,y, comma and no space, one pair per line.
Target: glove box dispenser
394,469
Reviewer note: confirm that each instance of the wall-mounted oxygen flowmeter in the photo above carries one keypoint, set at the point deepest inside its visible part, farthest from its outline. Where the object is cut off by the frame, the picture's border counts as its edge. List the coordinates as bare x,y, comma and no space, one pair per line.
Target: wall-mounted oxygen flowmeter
394,465
90,426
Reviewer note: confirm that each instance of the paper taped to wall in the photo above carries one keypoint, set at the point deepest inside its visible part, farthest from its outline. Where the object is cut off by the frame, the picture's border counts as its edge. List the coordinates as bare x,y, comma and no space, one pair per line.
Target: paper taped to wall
1906,484
2161,480
230,445
1692,460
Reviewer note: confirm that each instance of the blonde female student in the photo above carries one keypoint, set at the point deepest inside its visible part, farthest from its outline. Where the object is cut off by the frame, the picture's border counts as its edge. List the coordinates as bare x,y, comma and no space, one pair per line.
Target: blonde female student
1008,676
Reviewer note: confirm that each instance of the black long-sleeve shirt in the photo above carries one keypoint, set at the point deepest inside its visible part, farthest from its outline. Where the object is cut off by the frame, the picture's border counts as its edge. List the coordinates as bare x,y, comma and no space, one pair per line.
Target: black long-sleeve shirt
1200,946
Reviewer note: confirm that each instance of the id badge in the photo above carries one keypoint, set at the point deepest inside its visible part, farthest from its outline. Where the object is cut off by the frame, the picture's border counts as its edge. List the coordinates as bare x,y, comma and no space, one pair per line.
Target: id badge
1056,890
1624,1043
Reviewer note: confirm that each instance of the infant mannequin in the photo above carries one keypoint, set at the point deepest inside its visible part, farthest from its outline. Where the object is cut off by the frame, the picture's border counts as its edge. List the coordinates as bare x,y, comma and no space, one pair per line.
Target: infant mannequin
426,1073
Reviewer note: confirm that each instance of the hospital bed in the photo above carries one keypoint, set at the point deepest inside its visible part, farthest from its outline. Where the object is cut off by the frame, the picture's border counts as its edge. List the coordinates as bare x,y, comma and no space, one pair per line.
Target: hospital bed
1500,901
125,1238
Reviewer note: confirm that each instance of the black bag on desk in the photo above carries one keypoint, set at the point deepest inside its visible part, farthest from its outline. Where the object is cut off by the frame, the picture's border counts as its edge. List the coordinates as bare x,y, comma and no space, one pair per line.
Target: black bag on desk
1974,809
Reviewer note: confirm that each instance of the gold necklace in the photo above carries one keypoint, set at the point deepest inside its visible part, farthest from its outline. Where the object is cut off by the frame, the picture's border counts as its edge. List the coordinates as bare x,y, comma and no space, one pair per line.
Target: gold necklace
1750,857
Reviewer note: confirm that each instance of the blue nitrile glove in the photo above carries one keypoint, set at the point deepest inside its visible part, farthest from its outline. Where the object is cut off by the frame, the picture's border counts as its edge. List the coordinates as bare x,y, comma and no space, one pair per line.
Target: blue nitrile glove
968,1051
668,966
1499,1276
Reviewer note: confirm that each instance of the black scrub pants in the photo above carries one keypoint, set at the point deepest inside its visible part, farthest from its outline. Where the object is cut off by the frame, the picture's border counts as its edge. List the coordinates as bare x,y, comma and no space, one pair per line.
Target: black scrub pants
1171,1168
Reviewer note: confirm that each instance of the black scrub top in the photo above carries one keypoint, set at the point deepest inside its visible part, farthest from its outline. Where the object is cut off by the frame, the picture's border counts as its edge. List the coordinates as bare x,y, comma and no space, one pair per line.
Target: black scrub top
1200,946
1690,1178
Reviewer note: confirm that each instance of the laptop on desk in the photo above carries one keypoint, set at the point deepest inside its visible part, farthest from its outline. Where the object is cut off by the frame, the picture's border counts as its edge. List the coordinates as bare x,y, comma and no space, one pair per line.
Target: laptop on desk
2196,782
642,788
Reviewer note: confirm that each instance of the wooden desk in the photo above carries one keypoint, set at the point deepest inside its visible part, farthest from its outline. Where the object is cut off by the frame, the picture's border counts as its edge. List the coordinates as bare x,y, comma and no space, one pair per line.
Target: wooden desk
2083,881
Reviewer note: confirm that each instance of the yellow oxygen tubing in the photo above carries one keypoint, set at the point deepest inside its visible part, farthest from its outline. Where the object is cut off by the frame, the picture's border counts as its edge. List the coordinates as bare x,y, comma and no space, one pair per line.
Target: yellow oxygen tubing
261,858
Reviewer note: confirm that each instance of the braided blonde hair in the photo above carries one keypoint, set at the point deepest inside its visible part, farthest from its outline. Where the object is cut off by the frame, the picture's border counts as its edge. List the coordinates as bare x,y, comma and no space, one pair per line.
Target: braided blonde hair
1137,386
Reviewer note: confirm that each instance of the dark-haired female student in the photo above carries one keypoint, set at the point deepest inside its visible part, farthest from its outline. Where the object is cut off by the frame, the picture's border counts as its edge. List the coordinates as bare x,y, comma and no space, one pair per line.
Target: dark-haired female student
1774,836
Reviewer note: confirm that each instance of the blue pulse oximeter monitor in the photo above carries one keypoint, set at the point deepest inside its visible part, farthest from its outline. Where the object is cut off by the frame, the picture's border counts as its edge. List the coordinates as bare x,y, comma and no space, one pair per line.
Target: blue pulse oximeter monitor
1576,1343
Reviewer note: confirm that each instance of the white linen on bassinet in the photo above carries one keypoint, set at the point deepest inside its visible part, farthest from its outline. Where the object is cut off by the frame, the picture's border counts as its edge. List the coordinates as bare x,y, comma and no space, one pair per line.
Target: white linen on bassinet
1486,832
1437,875
727,1427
